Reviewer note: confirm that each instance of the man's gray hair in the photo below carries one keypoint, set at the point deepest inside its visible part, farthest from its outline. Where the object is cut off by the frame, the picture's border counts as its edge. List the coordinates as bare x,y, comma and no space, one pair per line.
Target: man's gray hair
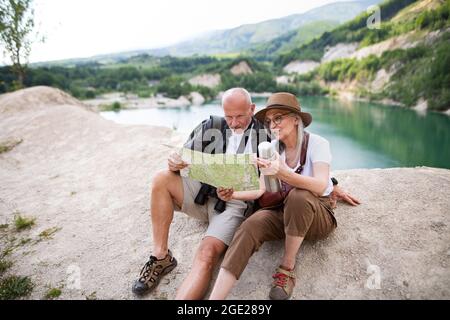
237,91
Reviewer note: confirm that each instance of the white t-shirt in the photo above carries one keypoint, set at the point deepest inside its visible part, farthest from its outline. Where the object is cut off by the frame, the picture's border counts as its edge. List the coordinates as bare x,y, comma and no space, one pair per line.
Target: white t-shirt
318,151
234,141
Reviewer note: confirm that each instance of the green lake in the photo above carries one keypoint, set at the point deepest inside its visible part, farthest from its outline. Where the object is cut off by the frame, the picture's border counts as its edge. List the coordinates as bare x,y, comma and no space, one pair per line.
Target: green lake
361,134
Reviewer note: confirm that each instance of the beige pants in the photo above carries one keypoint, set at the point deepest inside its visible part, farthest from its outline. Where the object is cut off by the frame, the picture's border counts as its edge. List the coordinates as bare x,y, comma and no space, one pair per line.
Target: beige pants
303,215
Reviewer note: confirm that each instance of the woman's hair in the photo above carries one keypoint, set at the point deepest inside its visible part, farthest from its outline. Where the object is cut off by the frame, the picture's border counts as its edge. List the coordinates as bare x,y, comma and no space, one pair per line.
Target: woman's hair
300,135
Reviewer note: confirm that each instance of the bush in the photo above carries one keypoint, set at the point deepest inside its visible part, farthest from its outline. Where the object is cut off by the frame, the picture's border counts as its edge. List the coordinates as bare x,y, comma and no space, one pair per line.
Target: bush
14,287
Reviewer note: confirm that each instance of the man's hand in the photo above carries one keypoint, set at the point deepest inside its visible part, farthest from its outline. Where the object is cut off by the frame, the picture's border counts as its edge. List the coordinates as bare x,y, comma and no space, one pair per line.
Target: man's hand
340,195
225,194
175,162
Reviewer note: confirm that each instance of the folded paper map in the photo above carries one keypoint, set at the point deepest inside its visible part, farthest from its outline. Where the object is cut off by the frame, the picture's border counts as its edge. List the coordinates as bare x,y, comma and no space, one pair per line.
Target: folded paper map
235,171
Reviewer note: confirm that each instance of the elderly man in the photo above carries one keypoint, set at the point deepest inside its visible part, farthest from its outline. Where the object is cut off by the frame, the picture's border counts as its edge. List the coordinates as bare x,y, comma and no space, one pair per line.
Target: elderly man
172,192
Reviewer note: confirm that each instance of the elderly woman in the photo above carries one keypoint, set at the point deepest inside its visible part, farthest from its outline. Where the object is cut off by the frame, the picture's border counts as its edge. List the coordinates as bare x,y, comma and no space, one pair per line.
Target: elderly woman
305,213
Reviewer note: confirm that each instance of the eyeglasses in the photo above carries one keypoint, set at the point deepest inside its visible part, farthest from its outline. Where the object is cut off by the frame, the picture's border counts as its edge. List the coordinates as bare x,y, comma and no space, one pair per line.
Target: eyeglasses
277,119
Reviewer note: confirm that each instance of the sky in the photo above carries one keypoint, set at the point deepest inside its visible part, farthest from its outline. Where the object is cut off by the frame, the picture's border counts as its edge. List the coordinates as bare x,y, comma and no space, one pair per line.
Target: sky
83,28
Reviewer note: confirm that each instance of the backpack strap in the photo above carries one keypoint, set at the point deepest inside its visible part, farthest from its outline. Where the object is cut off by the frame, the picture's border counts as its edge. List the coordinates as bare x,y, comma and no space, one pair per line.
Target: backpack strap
303,153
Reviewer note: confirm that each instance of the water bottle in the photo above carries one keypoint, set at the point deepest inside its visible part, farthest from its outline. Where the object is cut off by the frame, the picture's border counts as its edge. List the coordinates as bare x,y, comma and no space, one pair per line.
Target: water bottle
267,151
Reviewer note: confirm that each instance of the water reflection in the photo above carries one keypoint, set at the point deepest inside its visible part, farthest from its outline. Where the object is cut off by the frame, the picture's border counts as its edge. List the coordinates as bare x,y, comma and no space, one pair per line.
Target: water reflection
362,135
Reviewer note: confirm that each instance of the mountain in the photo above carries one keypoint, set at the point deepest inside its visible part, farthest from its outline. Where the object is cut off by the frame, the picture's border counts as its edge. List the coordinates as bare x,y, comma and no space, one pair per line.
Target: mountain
291,39
245,36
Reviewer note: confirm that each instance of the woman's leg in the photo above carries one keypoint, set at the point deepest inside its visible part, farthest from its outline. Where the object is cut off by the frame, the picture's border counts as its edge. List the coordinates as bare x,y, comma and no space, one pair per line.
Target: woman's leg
264,225
304,217
291,246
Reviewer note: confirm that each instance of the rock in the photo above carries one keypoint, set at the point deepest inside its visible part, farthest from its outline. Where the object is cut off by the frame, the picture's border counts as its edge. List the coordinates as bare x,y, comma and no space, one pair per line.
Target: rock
241,68
111,167
206,80
284,79
300,67
196,98
381,79
339,51
404,41
421,106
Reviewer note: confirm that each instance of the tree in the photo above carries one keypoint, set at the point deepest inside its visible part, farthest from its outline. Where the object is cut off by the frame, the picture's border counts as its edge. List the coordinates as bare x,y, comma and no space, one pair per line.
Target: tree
16,27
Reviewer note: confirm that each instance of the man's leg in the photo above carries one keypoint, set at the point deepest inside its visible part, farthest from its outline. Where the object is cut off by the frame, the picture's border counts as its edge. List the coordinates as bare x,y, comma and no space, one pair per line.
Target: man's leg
167,188
196,284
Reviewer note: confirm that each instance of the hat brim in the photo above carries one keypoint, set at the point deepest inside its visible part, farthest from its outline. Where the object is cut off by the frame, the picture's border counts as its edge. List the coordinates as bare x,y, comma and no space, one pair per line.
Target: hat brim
306,117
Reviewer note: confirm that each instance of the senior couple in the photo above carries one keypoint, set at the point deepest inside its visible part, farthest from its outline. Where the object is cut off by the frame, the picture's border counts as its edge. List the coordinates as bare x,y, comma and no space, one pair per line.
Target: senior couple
305,212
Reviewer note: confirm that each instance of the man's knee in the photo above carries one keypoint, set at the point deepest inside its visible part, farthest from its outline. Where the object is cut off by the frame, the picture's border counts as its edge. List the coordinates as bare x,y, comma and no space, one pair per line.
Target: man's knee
163,179
209,252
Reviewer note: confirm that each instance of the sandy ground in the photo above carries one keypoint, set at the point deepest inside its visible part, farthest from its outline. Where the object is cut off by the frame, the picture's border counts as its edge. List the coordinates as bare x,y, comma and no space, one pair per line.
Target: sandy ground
91,178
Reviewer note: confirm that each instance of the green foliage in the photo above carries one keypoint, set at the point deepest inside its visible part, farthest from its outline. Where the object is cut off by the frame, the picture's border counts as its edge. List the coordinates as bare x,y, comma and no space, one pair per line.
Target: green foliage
256,82
206,92
434,19
174,87
14,287
4,265
290,40
349,69
16,26
53,293
115,106
303,88
48,233
353,31
423,72
9,144
420,72
22,223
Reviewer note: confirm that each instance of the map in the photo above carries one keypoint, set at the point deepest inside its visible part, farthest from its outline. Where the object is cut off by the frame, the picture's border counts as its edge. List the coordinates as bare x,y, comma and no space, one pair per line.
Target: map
221,170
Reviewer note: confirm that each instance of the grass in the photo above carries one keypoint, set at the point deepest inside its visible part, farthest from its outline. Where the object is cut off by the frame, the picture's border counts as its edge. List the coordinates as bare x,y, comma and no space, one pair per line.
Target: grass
14,287
48,233
4,265
53,293
92,296
116,106
9,145
22,223
24,241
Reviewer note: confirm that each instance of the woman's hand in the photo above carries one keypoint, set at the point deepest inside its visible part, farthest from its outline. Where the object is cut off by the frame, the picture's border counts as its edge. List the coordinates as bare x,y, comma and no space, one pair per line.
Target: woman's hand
225,194
271,167
339,194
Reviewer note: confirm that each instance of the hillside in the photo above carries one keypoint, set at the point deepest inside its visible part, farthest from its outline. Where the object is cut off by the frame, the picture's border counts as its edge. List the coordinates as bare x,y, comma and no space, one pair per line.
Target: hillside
404,60
245,36
86,181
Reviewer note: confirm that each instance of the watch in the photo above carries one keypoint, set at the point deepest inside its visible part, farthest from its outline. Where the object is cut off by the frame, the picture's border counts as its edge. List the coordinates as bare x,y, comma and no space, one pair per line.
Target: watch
334,180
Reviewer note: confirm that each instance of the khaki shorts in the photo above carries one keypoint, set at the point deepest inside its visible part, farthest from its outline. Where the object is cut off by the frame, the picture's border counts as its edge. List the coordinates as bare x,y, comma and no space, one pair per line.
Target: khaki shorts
221,225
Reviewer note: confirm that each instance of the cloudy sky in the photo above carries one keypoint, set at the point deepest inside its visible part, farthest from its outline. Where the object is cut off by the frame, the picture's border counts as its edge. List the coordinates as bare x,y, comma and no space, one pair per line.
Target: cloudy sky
82,28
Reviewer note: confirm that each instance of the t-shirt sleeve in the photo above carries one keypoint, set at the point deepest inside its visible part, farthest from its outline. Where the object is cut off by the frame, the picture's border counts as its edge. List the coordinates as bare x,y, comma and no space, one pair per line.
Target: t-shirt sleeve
320,151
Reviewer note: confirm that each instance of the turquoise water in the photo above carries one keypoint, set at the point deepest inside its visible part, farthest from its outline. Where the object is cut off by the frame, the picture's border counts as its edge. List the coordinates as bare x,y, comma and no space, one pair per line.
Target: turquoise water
361,134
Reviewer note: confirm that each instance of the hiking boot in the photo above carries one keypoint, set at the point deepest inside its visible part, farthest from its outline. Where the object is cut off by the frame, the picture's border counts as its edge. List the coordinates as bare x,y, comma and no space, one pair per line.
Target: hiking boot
283,284
152,272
